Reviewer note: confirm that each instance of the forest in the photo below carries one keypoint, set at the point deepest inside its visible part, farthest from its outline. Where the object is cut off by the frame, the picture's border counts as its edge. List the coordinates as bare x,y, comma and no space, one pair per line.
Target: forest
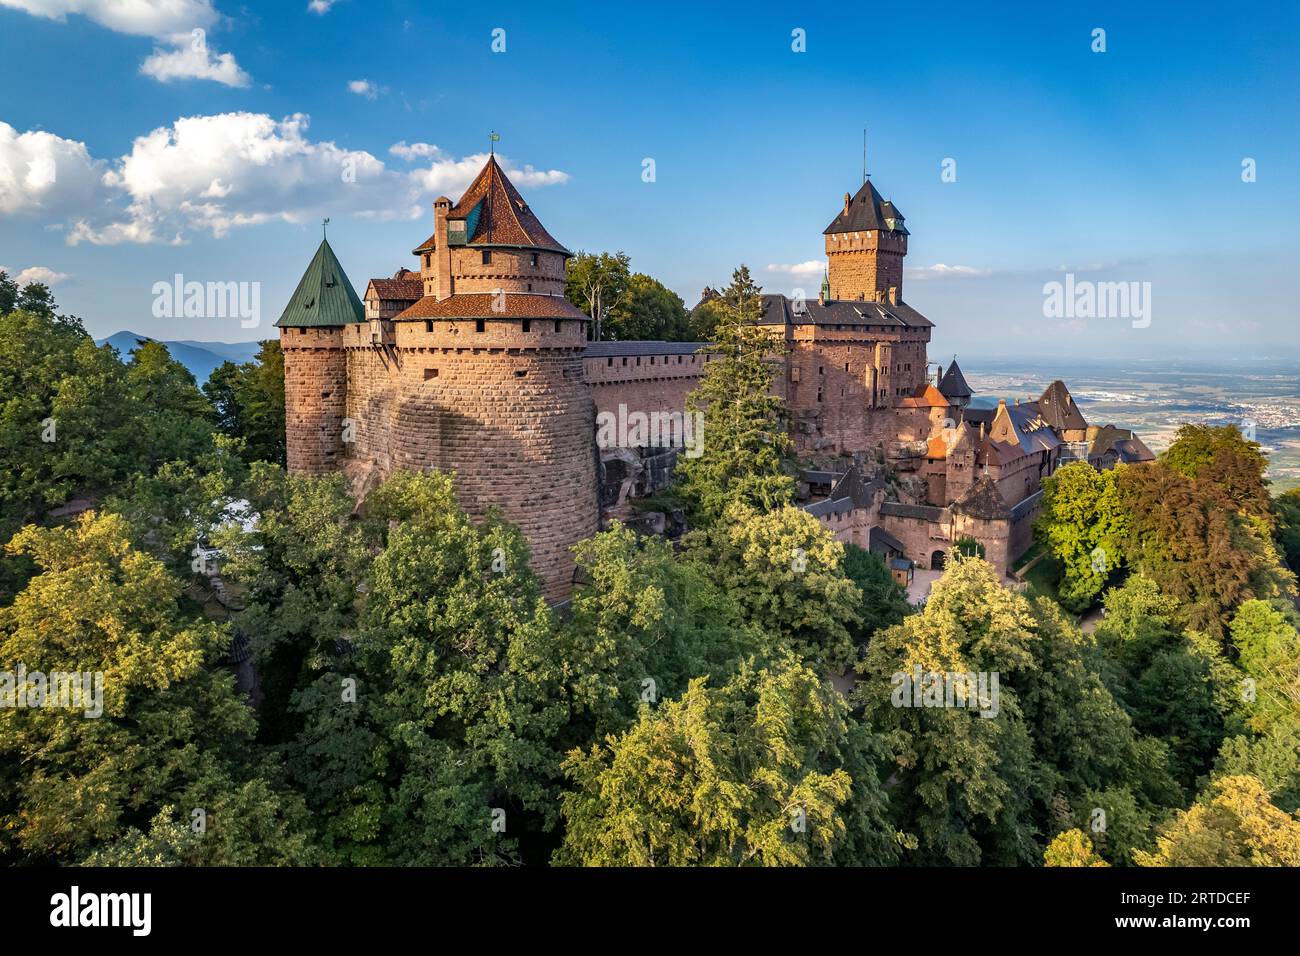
726,699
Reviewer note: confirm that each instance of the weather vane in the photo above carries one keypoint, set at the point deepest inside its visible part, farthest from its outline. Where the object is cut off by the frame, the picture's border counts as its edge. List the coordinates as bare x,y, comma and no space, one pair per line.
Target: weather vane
323,223
493,138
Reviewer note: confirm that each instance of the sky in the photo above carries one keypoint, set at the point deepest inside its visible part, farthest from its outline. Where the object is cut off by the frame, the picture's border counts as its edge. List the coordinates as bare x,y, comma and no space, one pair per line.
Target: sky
209,139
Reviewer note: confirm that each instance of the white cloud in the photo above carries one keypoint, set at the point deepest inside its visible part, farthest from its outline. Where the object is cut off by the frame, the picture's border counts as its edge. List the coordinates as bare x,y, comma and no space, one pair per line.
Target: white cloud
223,172
321,7
813,267
941,271
415,151
366,88
42,274
45,175
190,62
179,26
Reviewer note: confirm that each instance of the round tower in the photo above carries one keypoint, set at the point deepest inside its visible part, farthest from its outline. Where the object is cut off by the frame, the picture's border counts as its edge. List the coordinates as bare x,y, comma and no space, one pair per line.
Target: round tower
315,364
491,375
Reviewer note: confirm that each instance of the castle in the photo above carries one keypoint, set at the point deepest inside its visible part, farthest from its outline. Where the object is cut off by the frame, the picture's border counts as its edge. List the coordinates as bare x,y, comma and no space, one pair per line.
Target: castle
477,365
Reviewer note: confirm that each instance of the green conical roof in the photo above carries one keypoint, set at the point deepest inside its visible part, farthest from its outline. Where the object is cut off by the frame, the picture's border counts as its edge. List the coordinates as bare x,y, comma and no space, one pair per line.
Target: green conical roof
324,296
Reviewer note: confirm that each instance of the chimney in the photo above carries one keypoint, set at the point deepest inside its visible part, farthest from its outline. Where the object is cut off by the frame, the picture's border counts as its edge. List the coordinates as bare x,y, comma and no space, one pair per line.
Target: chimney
981,433
847,199
821,296
442,285
893,294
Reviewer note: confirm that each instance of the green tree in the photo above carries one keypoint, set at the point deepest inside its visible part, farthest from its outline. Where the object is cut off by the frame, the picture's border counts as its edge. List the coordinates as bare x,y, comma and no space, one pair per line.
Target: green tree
963,783
750,772
884,600
597,283
1083,526
643,623
785,573
745,440
1071,848
249,402
172,733
647,310
1287,508
1232,824
8,294
1268,650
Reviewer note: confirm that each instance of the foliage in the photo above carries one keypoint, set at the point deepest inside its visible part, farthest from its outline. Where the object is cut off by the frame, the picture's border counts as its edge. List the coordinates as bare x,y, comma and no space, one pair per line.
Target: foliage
745,437
1071,848
785,573
596,283
249,402
1232,824
1083,527
171,729
647,309
747,773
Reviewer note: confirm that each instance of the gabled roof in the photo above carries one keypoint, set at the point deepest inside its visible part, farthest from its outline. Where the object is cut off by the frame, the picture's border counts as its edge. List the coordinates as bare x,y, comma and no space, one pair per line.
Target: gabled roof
779,310
867,210
925,396
496,215
487,305
324,297
397,290
1028,427
1058,409
953,384
1128,447
983,500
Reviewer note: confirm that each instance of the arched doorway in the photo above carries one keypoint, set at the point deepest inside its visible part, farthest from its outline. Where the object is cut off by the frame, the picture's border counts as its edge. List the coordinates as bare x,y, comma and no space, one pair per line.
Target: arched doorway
936,561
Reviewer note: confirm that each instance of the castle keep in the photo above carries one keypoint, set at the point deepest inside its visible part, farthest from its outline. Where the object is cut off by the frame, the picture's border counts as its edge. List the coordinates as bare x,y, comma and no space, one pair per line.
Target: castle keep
475,364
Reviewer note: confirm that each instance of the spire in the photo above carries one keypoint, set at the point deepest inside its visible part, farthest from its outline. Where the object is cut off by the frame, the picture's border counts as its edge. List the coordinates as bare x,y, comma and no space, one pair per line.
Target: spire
325,297
826,285
495,214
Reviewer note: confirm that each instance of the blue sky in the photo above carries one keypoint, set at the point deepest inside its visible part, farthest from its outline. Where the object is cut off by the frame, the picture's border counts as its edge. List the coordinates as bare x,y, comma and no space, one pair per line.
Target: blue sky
131,152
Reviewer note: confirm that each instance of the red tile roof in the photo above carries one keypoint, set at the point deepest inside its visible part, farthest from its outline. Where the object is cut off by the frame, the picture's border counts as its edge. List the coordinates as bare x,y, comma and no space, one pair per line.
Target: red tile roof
401,290
504,218
926,397
479,305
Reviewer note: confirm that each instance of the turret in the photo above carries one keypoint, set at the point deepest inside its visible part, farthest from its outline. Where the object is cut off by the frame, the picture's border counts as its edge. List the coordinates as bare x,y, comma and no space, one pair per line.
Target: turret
315,363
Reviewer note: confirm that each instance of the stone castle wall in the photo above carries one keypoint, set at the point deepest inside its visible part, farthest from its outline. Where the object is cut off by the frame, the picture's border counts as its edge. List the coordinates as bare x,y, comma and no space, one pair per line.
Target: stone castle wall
505,412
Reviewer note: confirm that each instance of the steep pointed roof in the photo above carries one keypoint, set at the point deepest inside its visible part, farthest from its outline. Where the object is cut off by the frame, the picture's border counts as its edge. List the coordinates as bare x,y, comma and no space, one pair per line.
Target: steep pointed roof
953,384
982,500
496,215
324,296
868,210
1058,408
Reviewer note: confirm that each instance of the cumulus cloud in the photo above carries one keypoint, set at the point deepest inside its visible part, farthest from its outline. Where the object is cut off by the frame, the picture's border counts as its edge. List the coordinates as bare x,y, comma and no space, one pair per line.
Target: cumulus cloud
223,172
813,267
941,271
366,88
179,26
42,274
194,61
414,151
321,7
45,175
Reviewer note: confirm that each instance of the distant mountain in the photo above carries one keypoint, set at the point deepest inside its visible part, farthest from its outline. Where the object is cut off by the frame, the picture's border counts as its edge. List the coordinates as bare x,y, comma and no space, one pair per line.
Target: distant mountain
201,358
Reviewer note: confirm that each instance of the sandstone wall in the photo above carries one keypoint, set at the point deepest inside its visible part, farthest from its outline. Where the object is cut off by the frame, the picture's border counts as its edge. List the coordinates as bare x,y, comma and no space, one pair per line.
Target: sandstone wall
315,393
